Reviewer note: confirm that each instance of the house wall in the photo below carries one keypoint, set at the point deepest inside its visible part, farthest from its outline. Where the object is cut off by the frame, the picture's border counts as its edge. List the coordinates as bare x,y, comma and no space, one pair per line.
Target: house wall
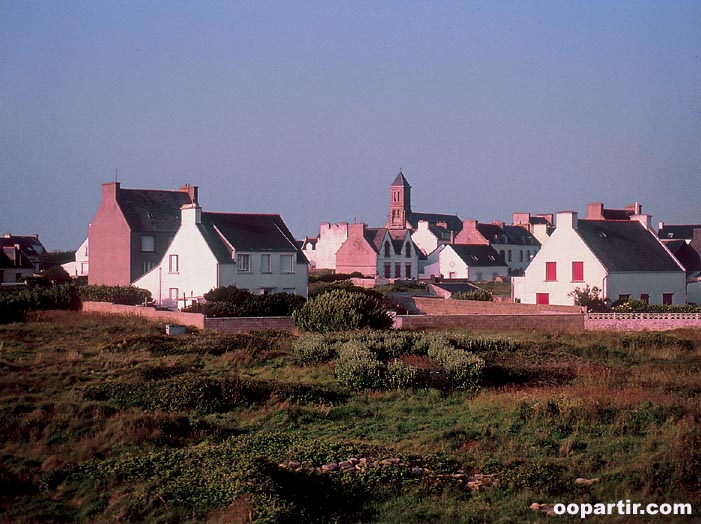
424,239
331,238
197,266
564,247
275,282
521,255
142,260
634,284
356,254
109,238
693,292
445,261
398,258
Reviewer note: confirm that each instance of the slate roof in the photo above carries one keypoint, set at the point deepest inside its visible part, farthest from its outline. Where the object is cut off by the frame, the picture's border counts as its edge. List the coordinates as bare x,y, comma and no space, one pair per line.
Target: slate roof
495,234
455,287
685,254
676,232
28,244
625,246
247,232
12,258
478,255
399,180
452,222
151,209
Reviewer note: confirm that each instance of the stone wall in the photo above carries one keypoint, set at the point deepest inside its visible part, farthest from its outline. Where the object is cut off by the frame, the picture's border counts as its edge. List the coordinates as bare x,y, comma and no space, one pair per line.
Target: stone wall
441,306
550,322
248,324
173,317
642,321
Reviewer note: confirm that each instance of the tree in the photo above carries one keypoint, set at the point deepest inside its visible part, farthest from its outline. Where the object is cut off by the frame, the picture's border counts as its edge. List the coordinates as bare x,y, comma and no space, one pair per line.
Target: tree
589,298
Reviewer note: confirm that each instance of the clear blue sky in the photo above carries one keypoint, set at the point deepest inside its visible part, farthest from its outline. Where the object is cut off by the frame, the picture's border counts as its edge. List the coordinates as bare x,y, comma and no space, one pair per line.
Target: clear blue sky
309,109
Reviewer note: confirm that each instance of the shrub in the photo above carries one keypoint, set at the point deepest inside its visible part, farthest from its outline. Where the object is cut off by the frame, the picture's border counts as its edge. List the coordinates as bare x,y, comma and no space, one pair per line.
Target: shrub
313,349
477,294
334,277
399,375
127,295
16,302
589,298
342,310
357,368
633,305
230,301
464,369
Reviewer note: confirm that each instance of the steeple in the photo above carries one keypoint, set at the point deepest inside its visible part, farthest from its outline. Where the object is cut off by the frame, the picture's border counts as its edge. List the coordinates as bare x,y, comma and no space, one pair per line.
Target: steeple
399,202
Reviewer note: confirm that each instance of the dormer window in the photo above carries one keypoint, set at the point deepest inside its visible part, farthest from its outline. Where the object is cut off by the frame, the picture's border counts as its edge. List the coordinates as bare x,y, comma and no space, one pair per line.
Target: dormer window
386,248
148,244
408,250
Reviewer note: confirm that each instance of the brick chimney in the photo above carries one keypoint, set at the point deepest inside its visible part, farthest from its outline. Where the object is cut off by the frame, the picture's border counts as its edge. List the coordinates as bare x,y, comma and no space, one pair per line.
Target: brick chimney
470,234
595,211
192,191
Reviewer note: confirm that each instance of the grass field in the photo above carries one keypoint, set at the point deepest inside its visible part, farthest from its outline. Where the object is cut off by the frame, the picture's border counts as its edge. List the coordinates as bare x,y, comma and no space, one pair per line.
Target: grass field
105,419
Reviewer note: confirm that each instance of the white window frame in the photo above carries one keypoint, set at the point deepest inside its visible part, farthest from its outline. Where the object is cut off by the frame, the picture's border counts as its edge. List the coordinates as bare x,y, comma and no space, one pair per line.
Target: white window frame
266,263
243,262
285,267
173,263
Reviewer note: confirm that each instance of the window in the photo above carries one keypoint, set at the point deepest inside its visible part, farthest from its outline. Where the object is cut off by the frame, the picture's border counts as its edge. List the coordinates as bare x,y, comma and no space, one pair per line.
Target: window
148,244
286,264
551,271
243,261
577,271
542,298
408,270
148,266
408,250
266,263
173,264
623,297
83,269
397,270
528,255
452,274
173,295
386,248
667,298
520,255
388,270
509,255
645,297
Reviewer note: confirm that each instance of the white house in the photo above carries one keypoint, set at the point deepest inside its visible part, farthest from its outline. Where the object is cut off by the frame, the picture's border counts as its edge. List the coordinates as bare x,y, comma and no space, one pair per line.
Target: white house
251,251
80,266
476,262
623,258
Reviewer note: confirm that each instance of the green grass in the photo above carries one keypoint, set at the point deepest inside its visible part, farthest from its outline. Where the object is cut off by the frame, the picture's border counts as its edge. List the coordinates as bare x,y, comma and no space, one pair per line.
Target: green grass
105,419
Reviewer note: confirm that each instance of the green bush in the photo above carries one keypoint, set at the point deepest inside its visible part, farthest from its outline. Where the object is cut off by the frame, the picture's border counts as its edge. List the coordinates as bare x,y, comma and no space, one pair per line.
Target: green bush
357,368
464,369
313,348
341,310
230,301
633,305
477,294
399,375
14,303
127,295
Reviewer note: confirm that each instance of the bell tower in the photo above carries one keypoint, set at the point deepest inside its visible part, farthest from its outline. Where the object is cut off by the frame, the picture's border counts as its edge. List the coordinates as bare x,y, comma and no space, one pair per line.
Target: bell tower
399,203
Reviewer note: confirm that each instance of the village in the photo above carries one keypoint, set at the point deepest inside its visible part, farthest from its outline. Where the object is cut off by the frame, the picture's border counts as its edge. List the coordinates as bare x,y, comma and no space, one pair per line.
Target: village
163,241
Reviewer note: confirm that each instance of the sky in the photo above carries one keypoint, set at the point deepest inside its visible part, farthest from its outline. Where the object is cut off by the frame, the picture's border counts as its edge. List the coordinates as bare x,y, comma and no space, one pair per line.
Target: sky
310,109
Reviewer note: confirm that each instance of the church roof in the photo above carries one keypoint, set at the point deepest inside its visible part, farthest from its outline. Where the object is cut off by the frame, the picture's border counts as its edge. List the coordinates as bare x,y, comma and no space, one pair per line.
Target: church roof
399,180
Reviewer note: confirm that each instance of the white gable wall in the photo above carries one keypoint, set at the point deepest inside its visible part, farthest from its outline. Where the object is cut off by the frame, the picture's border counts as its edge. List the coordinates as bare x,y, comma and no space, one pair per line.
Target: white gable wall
197,266
564,247
445,262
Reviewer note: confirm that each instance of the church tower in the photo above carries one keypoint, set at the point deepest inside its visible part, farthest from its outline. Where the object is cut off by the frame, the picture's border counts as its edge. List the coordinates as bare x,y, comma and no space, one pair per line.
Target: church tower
399,203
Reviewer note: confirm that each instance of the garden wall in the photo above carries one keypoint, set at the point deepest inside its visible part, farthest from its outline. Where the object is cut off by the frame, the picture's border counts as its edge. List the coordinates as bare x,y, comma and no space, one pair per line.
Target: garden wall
550,322
441,306
172,317
642,321
248,324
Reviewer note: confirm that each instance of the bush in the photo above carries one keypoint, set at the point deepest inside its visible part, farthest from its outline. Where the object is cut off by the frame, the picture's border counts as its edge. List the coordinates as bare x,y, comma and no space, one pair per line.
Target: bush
399,375
313,349
633,305
357,368
334,277
477,294
16,302
341,310
127,295
464,369
589,298
230,301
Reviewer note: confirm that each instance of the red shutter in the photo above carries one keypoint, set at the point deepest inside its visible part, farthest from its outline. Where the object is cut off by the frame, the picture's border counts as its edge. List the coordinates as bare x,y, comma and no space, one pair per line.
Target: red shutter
578,271
551,271
542,298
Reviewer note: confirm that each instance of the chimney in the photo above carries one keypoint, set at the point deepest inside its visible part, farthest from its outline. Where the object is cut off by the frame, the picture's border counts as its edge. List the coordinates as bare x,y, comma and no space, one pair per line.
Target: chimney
110,190
521,219
635,209
192,191
566,220
356,230
497,223
470,234
645,220
191,214
595,211
660,225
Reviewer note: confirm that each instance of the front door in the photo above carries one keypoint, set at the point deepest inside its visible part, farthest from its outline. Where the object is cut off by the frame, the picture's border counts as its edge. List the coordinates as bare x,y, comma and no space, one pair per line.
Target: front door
542,298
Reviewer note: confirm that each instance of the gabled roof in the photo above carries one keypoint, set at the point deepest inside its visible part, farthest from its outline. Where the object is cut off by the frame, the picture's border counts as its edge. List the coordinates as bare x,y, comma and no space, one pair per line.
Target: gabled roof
478,255
452,222
247,232
151,209
28,244
520,235
685,254
399,180
497,234
625,246
677,232
13,258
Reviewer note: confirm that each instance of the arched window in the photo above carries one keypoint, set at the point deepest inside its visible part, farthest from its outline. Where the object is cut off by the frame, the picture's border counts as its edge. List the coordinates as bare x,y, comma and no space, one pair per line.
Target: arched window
386,248
408,250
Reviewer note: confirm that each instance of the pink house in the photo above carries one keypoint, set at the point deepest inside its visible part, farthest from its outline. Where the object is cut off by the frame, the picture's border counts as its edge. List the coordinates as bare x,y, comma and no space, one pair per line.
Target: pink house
131,231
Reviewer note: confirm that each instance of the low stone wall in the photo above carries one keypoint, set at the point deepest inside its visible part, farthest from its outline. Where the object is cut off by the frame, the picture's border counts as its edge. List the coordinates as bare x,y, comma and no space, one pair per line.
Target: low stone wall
248,324
642,321
550,322
441,306
172,317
